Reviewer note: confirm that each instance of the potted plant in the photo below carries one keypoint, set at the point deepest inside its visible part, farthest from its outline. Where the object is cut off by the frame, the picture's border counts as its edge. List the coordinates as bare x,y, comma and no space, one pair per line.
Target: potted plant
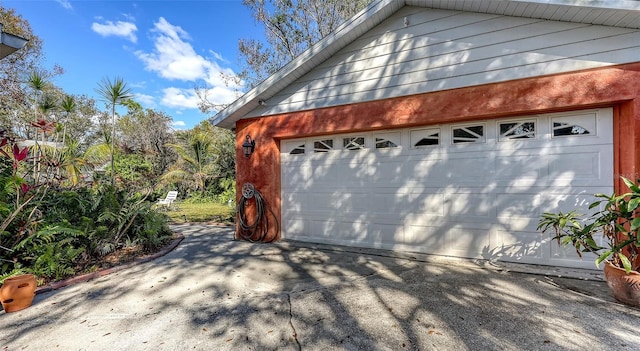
617,223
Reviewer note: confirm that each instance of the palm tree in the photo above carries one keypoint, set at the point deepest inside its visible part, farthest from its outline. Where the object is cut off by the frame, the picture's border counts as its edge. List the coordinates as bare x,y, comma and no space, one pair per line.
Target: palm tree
115,93
73,162
67,105
196,152
36,81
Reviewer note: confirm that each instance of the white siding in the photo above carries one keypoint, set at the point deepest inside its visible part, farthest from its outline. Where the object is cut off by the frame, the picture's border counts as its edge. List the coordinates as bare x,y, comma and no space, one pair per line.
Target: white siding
445,49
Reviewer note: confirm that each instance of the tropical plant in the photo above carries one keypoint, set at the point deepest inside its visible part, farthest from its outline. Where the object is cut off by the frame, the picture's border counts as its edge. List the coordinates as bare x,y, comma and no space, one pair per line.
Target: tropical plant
146,132
114,93
52,231
134,172
22,195
617,223
206,155
67,105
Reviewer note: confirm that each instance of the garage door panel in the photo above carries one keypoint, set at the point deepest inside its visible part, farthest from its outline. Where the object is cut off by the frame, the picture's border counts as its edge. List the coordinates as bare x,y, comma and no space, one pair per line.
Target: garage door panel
468,204
323,173
296,227
425,169
568,257
352,202
482,198
525,205
400,203
387,173
532,205
578,200
381,233
515,224
575,167
478,168
295,176
338,202
332,228
521,168
296,202
429,238
376,234
387,202
519,246
465,241
425,202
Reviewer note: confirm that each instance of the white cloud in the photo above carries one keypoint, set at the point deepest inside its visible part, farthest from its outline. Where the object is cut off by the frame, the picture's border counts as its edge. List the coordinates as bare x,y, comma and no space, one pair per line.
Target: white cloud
179,98
218,57
65,3
129,17
120,29
179,124
145,100
174,58
140,84
220,95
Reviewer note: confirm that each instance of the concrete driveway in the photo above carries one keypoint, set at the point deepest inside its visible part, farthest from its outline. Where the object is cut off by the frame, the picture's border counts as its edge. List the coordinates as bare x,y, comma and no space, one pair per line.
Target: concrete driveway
213,293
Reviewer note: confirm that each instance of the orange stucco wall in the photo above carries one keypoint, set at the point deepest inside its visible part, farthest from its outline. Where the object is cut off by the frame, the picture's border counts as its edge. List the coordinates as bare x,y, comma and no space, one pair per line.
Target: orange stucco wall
617,87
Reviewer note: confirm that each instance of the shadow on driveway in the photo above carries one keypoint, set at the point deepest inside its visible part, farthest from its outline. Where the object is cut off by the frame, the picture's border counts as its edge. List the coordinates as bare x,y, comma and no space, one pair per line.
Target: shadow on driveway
214,293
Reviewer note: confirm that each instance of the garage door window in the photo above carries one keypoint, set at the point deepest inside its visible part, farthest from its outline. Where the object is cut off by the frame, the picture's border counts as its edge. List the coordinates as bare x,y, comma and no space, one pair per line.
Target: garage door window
353,143
323,145
574,125
517,130
386,141
425,137
297,150
468,134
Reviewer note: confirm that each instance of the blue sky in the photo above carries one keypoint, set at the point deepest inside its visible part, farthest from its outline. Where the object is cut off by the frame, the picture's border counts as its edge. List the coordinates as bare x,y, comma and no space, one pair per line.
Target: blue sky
161,48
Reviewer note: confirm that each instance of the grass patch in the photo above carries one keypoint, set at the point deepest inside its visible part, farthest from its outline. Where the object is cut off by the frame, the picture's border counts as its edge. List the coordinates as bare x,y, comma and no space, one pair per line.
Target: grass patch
201,212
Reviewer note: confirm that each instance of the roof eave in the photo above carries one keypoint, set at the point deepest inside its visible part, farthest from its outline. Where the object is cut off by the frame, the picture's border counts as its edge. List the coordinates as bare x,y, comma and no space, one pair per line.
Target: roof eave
366,19
10,43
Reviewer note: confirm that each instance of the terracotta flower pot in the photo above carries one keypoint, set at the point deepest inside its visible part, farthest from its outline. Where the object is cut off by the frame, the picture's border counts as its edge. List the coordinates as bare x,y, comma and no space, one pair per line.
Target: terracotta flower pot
625,287
17,292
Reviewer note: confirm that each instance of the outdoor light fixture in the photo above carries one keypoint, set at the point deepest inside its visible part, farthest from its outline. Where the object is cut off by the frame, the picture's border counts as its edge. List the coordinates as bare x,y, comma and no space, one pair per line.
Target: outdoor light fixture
248,146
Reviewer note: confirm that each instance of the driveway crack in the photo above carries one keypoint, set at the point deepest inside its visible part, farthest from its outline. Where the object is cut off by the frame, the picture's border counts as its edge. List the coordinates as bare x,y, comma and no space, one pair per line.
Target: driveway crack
295,333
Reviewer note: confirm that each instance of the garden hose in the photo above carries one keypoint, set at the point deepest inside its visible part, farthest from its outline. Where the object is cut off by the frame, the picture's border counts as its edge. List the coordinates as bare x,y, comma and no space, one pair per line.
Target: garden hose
258,230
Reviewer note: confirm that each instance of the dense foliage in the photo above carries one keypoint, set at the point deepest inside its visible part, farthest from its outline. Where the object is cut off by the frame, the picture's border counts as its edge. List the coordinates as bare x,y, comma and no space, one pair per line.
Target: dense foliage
79,183
205,168
55,231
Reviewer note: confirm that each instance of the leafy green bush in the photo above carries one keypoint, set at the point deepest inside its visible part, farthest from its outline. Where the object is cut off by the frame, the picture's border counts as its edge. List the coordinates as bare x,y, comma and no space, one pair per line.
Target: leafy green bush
53,231
133,171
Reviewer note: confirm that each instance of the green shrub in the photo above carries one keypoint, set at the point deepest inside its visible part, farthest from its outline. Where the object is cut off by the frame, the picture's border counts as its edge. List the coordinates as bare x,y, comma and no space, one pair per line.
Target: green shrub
54,231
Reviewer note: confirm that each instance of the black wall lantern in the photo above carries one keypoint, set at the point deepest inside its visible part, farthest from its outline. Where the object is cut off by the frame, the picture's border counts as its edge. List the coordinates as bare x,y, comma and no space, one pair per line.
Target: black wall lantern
248,146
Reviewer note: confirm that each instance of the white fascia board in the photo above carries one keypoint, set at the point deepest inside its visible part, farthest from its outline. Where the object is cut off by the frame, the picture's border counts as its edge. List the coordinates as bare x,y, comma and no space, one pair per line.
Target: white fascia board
332,43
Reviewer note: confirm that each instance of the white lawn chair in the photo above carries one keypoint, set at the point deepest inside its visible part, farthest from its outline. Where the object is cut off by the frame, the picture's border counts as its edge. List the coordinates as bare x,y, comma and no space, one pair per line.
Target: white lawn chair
168,201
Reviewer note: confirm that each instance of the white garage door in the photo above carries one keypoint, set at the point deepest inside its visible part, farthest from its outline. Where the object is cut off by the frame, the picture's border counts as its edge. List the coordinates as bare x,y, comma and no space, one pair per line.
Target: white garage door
472,189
